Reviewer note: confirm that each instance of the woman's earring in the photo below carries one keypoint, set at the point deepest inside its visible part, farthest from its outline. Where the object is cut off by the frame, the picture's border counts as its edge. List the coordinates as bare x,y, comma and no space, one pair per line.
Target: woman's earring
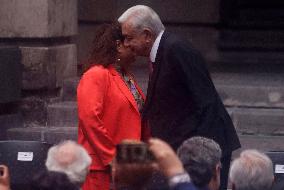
118,59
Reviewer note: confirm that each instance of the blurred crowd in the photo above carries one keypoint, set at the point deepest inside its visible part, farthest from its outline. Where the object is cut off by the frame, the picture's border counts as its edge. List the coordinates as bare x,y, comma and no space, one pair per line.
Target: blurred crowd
195,166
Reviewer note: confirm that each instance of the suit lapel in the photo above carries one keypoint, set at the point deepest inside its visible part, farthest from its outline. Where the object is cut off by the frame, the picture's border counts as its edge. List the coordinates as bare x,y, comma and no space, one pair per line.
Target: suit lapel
122,87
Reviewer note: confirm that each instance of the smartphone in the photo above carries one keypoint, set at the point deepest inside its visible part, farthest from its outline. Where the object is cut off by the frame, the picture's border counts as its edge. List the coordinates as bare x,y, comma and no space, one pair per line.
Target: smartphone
133,153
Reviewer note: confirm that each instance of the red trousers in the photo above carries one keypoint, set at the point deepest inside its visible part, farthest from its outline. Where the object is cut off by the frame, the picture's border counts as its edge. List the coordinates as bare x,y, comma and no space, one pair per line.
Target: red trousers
97,180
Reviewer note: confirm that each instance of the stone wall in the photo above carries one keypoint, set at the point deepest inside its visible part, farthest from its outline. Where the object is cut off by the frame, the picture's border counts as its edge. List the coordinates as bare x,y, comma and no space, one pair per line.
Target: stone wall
43,30
38,19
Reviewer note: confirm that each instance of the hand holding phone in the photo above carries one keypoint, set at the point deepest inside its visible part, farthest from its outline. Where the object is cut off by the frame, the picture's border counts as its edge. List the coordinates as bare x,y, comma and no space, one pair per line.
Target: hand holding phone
168,161
133,165
133,153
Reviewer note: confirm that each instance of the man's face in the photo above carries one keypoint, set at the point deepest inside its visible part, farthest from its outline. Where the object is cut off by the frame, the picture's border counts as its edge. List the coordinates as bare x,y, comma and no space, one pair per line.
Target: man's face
137,41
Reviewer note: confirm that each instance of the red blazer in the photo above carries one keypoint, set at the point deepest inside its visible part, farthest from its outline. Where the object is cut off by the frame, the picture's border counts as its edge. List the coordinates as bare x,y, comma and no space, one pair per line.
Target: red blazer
107,113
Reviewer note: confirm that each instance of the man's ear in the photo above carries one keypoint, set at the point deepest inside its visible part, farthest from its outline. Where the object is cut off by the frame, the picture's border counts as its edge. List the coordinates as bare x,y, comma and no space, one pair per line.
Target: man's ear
149,35
273,181
217,170
218,167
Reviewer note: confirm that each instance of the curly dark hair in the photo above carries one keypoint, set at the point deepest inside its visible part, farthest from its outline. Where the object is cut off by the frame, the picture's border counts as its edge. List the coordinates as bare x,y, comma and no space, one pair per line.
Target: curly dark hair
103,51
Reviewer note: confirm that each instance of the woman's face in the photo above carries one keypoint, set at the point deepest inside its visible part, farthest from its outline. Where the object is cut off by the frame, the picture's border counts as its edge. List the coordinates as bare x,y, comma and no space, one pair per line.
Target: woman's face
125,54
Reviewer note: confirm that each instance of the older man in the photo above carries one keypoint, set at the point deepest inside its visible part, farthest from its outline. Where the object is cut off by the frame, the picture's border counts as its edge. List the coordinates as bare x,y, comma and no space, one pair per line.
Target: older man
201,159
70,158
181,99
253,170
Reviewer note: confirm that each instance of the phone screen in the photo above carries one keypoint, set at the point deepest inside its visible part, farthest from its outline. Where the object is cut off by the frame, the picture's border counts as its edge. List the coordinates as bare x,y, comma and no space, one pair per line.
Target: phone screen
133,153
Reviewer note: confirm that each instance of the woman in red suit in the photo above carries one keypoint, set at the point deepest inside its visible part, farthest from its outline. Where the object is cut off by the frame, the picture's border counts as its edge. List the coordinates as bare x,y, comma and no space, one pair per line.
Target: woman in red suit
109,104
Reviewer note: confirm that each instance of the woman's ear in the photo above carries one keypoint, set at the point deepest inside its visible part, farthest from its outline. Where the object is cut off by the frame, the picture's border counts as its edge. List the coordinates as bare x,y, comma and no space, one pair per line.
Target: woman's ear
118,45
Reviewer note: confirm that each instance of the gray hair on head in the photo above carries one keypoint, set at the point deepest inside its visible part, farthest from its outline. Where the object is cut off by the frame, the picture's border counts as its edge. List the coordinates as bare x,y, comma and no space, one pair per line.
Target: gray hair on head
253,170
141,16
70,158
200,156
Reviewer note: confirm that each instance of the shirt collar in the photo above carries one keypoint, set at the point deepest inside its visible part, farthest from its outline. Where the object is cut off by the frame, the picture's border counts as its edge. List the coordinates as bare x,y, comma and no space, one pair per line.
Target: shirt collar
155,47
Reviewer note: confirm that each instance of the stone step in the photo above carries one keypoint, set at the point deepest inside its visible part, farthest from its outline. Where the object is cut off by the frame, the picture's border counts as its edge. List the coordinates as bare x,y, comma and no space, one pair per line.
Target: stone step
250,89
251,39
264,143
62,114
262,59
50,135
258,121
8,121
257,128
242,87
54,135
69,89
264,89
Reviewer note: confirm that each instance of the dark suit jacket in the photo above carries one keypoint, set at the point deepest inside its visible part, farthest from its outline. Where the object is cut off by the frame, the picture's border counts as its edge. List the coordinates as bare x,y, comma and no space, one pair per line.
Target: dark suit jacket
186,186
182,101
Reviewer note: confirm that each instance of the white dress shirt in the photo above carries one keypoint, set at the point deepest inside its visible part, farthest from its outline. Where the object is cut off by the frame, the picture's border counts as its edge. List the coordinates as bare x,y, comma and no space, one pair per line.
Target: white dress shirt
155,47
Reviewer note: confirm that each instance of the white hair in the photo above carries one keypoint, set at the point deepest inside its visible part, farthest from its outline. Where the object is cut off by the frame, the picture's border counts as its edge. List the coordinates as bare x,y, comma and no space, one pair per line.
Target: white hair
141,16
70,158
253,170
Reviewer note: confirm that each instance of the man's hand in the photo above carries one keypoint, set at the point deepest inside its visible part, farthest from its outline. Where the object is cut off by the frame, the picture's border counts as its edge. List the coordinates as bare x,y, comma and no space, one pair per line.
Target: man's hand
168,162
4,178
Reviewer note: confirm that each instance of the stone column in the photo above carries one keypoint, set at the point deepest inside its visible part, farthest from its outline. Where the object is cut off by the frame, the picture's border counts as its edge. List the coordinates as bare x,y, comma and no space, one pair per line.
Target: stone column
44,31
10,90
